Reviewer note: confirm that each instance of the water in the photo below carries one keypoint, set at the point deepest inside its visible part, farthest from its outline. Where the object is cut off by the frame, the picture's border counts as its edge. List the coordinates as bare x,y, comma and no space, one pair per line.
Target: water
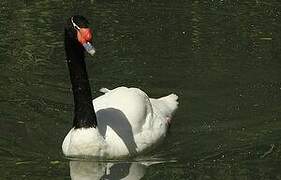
222,58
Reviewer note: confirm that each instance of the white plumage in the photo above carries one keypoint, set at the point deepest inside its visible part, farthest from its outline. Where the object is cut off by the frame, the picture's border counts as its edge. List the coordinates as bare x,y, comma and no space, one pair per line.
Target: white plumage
129,122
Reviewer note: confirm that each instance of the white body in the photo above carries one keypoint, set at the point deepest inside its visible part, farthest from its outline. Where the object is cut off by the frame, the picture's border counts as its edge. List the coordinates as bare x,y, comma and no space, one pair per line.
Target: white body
129,122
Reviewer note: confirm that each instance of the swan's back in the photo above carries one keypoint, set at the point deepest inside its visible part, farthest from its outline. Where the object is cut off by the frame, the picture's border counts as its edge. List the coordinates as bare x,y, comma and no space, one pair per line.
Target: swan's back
129,104
129,117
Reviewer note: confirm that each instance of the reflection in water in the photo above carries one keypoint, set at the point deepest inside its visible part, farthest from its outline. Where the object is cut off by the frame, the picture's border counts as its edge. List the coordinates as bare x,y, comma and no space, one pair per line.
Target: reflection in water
89,170
195,26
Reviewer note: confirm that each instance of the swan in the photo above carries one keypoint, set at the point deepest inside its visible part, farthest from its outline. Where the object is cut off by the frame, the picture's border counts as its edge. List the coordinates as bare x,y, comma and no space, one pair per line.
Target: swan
123,121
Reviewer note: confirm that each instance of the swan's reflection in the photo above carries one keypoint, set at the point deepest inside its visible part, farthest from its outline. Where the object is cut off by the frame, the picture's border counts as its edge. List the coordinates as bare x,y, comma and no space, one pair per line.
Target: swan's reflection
83,170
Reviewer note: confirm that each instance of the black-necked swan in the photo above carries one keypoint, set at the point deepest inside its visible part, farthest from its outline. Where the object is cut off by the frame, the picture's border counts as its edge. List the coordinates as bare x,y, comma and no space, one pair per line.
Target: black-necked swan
122,122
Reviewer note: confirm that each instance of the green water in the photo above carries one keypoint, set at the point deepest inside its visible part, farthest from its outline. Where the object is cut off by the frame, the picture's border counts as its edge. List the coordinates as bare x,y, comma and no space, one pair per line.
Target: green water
223,59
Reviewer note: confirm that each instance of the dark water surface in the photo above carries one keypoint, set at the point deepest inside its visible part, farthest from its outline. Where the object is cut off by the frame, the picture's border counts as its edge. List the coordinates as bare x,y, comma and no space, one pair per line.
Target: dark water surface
223,59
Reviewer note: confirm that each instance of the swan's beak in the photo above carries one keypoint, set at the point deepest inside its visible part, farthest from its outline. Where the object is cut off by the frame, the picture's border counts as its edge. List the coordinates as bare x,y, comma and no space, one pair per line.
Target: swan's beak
84,36
89,48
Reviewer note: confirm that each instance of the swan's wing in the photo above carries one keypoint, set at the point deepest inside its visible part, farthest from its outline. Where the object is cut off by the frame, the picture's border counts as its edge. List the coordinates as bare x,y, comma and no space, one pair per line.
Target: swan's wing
131,104
104,90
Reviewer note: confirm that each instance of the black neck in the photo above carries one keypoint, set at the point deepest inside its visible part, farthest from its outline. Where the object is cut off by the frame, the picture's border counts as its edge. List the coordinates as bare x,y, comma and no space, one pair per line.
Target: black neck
84,114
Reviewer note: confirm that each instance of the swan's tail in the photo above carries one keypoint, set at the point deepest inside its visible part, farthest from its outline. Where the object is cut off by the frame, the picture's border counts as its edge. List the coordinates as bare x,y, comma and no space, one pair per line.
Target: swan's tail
171,103
165,106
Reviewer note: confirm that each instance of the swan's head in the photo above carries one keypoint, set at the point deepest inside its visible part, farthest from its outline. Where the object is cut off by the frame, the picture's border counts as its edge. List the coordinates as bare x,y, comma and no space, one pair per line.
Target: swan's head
78,29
